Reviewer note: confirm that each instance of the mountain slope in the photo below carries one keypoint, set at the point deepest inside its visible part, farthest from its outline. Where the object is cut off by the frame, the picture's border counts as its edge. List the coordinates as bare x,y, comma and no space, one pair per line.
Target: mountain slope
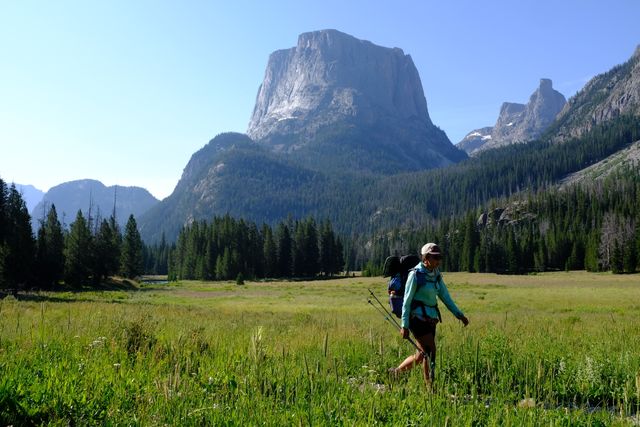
232,174
605,97
628,157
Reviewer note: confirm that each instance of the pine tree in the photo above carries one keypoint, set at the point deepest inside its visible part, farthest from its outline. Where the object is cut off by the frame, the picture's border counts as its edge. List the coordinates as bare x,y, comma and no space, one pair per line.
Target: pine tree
327,250
77,253
470,245
50,255
3,232
629,256
311,250
512,254
131,257
285,244
591,252
617,266
20,248
269,253
298,254
223,265
106,251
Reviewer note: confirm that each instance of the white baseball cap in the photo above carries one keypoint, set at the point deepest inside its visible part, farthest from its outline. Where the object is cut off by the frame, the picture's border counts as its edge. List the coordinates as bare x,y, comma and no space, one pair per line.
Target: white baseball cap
430,249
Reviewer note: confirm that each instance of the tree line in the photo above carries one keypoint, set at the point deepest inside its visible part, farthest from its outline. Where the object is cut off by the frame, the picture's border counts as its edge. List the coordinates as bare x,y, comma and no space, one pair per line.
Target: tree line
91,250
227,247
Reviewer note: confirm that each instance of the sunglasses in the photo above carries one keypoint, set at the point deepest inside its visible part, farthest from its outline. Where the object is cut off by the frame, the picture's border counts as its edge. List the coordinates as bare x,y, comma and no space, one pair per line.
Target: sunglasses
436,257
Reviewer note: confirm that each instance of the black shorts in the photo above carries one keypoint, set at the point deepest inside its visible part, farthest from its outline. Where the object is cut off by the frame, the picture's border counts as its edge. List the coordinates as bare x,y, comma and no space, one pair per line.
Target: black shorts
422,327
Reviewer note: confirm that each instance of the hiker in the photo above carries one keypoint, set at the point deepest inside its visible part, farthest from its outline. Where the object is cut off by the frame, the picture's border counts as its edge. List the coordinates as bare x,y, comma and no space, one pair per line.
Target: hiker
420,312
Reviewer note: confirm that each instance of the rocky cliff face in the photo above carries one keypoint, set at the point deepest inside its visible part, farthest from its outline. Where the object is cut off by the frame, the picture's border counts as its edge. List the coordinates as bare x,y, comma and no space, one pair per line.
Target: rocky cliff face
519,123
605,97
332,80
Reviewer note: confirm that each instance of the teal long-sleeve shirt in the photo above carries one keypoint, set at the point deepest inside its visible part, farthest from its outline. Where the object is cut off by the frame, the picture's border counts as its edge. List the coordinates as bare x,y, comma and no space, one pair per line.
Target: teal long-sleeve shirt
427,294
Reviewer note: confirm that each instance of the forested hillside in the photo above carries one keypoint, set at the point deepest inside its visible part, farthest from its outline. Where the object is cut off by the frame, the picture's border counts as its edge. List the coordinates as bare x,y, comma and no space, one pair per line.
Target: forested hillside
589,225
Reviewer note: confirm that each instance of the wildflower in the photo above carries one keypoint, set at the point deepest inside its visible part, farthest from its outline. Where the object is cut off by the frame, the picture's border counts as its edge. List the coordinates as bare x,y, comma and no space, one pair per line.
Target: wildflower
561,366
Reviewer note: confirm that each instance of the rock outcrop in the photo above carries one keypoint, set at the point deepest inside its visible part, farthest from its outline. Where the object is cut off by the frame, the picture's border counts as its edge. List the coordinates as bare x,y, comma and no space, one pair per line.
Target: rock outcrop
332,80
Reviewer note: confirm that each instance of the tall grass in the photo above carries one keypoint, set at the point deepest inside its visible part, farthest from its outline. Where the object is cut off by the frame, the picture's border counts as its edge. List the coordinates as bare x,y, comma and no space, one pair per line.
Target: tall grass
559,349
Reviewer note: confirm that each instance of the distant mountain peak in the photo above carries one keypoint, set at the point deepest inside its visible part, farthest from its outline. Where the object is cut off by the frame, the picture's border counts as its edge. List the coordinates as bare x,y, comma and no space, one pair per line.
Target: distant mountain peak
331,77
86,194
519,123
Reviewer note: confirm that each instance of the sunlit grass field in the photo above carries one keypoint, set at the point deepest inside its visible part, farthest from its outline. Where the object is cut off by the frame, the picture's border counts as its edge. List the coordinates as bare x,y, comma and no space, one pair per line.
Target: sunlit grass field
549,349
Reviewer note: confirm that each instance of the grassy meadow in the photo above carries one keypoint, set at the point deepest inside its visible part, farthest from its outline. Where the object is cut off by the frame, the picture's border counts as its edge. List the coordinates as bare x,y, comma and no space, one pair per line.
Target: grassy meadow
549,349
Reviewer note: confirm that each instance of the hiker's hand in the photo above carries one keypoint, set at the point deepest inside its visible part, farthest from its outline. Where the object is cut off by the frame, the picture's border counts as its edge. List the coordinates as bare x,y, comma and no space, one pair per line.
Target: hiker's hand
404,332
464,320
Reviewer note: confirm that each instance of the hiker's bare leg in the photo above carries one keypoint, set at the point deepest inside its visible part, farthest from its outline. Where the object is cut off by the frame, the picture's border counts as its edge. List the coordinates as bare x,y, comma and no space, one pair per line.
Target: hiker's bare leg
410,362
428,343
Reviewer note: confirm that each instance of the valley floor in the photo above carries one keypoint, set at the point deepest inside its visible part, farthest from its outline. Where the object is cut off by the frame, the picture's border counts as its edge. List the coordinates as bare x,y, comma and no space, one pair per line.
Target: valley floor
554,348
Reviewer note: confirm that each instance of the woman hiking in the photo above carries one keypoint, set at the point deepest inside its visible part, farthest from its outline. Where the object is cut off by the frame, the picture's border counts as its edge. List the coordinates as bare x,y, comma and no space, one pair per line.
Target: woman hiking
420,312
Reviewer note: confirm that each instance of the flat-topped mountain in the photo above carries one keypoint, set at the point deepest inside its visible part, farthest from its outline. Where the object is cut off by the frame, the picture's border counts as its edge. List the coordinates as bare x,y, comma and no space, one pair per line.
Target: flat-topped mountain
334,89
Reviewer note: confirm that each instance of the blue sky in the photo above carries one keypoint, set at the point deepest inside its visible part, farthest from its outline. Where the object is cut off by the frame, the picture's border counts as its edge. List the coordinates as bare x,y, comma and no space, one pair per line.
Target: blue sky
126,91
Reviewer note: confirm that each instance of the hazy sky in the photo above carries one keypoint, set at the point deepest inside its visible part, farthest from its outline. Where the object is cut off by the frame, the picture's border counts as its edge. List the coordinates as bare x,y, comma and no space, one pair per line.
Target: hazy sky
126,91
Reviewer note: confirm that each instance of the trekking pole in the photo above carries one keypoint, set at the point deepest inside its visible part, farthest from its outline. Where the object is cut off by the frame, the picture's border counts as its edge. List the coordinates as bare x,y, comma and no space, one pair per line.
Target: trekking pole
384,308
391,320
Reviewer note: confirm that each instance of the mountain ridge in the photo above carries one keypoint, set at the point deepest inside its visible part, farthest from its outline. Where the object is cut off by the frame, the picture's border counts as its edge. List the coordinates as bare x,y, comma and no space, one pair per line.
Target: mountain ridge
86,194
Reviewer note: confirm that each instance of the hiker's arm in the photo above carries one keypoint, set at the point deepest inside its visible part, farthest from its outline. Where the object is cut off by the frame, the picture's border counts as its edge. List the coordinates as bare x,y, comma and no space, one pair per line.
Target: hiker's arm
409,292
443,293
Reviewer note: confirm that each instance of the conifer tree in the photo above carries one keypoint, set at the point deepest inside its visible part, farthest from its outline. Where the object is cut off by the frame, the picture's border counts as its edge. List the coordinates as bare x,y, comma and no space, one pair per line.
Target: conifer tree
629,256
327,250
591,252
470,245
269,253
50,256
298,254
20,247
77,253
617,265
339,256
311,250
106,251
3,231
284,250
131,257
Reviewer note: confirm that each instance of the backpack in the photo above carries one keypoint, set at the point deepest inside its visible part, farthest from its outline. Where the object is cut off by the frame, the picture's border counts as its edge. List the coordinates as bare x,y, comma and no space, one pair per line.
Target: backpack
397,269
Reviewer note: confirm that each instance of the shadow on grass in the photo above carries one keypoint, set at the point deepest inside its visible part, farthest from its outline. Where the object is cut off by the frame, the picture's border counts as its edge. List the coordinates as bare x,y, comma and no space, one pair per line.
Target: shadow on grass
49,294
